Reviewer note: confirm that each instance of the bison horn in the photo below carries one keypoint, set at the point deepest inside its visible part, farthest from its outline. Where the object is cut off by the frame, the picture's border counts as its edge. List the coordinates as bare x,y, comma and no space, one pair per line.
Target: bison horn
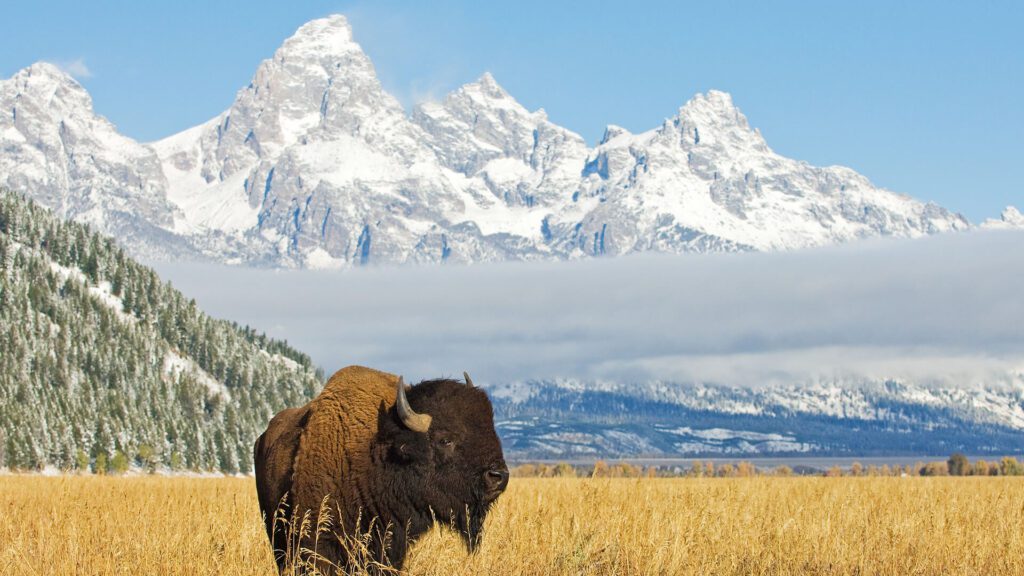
469,381
412,420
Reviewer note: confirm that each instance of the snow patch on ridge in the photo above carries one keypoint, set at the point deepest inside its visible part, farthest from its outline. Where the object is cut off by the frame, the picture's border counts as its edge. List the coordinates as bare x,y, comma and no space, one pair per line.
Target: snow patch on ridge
282,360
103,292
176,366
202,206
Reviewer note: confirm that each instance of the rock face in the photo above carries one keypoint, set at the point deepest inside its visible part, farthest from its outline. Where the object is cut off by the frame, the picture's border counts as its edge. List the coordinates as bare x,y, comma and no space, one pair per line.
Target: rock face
315,165
705,180
522,159
71,160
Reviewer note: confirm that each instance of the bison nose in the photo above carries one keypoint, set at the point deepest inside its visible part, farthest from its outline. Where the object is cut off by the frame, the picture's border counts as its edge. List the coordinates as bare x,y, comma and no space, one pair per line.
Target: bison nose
497,479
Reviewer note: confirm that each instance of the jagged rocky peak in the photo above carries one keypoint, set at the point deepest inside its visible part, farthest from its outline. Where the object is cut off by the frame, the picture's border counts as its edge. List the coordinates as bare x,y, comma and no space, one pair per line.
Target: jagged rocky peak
319,78
330,35
713,120
484,107
324,54
611,132
480,123
1011,217
325,70
315,163
50,88
714,106
73,161
487,87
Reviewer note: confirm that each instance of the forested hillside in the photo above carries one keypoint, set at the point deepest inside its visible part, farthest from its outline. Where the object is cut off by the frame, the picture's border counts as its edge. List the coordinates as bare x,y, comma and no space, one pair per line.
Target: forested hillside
103,365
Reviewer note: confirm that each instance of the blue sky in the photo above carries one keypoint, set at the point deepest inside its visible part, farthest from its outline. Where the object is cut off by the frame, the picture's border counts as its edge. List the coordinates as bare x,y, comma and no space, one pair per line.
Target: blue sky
922,98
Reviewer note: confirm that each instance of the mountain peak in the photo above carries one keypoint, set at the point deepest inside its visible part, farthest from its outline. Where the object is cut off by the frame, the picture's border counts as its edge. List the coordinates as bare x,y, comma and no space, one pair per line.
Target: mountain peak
318,79
1013,216
331,35
319,53
713,119
487,79
1010,218
611,132
43,69
52,86
486,86
717,98
314,158
714,104
44,74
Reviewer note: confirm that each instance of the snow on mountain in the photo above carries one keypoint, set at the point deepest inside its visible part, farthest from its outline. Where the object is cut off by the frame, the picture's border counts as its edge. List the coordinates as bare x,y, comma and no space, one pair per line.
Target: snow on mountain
101,355
705,180
316,165
322,166
565,418
1009,219
58,150
1001,403
523,158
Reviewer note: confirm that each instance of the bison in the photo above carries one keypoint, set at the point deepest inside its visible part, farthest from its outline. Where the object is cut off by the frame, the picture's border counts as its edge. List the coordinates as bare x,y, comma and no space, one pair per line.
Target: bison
389,458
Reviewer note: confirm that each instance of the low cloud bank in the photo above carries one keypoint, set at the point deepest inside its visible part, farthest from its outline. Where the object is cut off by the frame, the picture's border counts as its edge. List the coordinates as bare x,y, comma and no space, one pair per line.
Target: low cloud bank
947,309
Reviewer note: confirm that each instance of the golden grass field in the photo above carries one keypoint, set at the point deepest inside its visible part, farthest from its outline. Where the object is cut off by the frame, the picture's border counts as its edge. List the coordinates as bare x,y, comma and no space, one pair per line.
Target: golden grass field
178,525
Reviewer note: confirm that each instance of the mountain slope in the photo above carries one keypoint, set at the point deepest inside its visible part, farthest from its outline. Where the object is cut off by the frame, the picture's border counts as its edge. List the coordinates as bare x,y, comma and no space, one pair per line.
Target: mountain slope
99,357
316,165
76,163
573,419
522,158
706,179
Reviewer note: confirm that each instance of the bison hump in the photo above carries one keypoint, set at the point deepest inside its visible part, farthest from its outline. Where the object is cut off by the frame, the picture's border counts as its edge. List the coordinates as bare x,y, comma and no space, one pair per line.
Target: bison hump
333,454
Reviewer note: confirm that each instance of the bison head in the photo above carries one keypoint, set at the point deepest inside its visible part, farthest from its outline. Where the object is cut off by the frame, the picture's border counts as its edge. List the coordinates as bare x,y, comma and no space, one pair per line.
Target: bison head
441,447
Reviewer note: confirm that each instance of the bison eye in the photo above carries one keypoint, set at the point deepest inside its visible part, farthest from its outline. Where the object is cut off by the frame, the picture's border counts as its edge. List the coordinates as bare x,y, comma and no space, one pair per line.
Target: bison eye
446,443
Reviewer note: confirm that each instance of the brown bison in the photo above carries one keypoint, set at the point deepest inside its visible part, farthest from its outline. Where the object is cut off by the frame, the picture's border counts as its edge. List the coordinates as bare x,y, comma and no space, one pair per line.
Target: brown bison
390,459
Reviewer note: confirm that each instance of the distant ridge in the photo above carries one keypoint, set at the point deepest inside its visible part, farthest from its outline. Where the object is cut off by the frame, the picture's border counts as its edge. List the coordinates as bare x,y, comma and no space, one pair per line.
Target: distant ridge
854,417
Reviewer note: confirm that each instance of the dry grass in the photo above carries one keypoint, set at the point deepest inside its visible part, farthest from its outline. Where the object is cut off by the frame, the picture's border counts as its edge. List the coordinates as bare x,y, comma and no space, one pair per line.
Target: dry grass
97,525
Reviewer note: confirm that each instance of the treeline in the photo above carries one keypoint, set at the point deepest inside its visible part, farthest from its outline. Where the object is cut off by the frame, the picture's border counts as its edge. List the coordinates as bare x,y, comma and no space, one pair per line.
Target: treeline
104,366
957,465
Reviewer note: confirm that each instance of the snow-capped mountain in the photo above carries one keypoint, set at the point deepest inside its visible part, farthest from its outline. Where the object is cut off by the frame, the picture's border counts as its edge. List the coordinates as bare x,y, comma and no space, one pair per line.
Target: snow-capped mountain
705,179
53,147
569,418
521,157
315,164
1010,218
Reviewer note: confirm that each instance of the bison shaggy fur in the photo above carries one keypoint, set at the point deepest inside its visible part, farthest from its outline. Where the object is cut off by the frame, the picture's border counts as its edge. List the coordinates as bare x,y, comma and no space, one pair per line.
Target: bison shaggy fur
386,476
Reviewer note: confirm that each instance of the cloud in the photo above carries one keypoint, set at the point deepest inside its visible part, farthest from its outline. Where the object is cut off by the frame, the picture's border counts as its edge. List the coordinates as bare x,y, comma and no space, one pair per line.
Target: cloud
76,68
945,308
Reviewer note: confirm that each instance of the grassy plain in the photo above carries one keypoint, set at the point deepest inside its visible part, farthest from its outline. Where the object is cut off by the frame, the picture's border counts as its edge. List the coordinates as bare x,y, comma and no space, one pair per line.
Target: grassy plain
194,526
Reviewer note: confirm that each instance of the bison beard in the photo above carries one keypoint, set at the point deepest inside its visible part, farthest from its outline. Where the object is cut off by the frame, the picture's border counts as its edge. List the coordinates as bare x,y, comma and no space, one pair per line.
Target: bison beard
390,460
